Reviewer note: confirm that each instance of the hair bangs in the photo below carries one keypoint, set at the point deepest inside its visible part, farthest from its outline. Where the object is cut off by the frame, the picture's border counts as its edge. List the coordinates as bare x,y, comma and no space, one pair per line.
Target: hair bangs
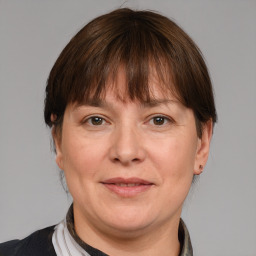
132,52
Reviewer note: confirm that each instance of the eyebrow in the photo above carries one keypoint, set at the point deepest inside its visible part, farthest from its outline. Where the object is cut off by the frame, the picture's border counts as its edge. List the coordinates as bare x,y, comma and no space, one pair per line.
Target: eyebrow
98,103
157,102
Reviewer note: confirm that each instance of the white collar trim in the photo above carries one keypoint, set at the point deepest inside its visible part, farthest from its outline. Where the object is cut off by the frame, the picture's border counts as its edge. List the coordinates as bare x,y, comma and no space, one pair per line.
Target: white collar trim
64,244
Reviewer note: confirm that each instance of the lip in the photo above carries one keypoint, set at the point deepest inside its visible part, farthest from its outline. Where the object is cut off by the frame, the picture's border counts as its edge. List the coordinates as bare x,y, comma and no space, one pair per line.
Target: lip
127,187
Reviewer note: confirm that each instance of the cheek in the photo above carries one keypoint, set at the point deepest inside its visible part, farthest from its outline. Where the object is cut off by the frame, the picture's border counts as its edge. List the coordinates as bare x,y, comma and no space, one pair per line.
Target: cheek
175,155
82,155
174,164
81,162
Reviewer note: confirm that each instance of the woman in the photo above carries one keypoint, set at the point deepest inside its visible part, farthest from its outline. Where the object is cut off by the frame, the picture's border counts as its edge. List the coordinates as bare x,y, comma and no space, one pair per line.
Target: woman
131,109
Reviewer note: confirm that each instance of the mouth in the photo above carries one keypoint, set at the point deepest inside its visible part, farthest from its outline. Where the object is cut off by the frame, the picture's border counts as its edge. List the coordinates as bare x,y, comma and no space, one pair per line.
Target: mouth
127,187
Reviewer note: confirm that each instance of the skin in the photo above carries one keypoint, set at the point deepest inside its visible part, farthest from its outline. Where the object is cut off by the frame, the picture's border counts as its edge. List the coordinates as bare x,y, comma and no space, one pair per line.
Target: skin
158,143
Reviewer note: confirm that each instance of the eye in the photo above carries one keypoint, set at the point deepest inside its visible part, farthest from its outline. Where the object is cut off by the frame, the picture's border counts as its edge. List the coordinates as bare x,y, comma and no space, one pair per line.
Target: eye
159,120
95,121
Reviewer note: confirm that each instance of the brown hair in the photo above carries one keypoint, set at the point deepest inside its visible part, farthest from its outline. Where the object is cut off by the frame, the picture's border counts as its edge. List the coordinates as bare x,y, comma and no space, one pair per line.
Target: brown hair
143,42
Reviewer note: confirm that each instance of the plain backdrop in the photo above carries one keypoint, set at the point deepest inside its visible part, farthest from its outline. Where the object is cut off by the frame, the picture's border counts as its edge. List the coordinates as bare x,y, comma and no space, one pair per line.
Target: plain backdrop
221,209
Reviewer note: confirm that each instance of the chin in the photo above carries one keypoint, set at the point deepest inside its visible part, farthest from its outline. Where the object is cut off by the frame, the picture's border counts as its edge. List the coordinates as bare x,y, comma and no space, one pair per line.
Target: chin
129,223
128,231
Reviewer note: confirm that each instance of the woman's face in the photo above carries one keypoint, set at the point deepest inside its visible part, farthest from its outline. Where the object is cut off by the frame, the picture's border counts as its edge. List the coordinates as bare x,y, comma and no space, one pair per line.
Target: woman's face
128,165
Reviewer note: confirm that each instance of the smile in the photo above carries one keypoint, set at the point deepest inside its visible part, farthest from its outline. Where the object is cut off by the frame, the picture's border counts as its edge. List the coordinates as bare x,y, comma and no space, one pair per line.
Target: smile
127,184
127,187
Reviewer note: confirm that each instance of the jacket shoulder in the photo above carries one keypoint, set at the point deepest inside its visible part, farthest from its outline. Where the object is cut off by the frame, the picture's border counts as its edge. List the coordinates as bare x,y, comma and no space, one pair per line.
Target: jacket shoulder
39,243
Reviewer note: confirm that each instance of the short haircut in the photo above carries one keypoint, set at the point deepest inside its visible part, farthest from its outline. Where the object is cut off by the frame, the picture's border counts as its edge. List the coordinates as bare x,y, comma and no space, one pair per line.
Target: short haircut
143,43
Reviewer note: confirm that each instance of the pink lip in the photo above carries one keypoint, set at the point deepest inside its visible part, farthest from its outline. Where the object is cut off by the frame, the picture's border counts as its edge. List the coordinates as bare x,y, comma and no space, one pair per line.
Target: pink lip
133,186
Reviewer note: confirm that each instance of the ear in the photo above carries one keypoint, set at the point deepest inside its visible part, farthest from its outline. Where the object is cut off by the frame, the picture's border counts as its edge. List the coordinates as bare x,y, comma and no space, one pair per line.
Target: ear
203,148
57,143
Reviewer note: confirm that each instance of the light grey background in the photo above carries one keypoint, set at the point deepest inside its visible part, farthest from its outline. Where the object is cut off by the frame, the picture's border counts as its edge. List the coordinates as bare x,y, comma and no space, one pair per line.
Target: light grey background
221,209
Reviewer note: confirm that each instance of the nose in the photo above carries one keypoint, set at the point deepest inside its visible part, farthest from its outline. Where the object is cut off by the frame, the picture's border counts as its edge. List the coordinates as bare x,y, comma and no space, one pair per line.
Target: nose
127,146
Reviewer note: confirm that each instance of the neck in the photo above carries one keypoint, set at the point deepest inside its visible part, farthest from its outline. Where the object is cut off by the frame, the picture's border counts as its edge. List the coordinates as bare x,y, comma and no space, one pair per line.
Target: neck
161,240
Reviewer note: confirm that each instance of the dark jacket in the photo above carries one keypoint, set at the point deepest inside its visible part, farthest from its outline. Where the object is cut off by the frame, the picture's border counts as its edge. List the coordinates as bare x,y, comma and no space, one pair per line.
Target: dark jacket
37,244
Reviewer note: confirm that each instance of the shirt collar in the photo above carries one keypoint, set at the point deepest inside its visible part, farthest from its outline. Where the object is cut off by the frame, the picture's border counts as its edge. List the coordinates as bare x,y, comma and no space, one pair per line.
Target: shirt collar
184,238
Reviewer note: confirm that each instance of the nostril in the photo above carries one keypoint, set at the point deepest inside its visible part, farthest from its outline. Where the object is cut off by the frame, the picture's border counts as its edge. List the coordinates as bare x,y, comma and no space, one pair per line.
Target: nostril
134,160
